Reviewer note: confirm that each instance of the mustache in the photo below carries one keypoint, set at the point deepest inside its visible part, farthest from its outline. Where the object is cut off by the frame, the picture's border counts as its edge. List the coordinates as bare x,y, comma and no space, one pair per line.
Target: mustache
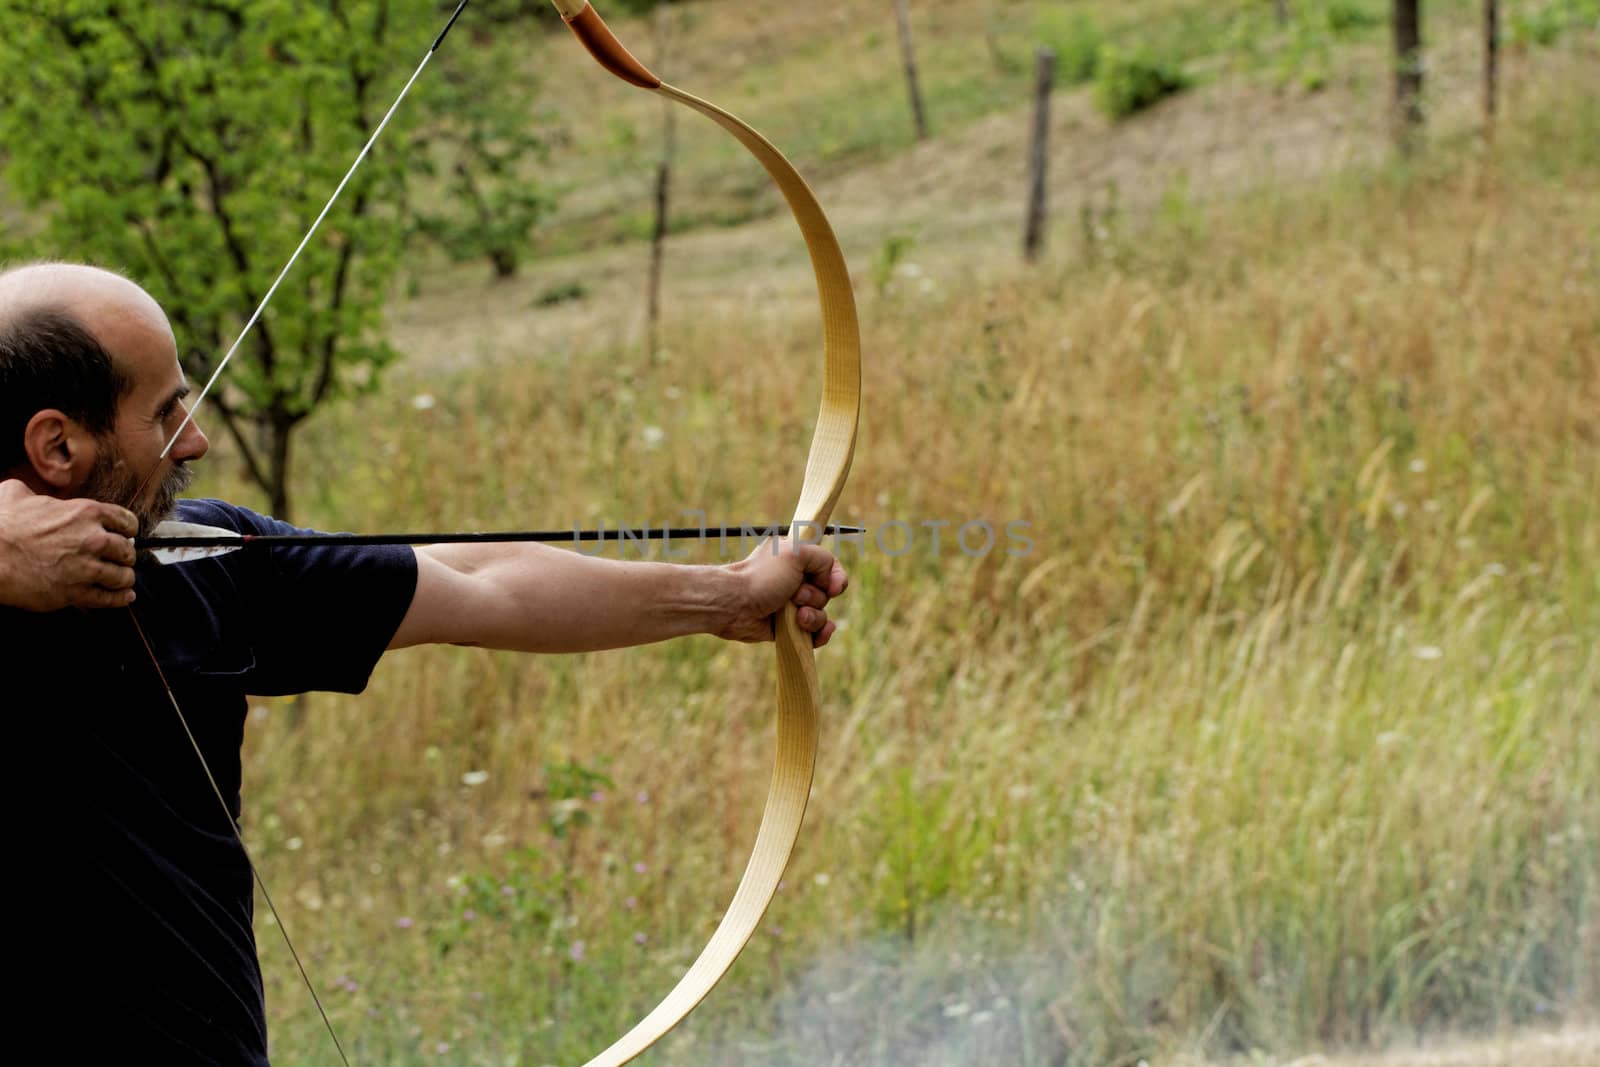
114,482
177,480
165,497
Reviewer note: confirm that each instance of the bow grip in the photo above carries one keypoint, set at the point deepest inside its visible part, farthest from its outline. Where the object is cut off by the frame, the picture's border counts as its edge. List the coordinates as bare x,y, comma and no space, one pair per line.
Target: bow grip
597,37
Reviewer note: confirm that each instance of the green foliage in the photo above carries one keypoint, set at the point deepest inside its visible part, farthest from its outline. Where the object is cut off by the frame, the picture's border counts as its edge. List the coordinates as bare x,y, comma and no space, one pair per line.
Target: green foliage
1127,82
1350,16
1181,217
191,145
569,787
564,293
484,137
622,134
521,892
932,847
890,253
1545,24
1076,39
1304,57
1100,225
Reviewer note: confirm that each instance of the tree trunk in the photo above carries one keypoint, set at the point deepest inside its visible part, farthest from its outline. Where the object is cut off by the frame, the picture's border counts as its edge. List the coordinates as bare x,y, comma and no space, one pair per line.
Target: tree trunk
918,115
281,428
1039,157
1282,8
1407,73
1491,62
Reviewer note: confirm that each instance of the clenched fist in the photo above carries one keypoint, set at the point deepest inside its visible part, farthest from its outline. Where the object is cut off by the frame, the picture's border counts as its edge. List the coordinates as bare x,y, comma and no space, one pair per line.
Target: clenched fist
58,554
779,573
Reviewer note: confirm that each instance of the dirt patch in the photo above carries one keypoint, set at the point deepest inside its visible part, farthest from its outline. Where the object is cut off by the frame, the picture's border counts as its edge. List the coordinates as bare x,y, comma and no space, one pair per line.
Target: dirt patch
959,201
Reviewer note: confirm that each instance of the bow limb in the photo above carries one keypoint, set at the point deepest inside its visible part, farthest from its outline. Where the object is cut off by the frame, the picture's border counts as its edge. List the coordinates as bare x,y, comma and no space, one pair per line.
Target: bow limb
828,465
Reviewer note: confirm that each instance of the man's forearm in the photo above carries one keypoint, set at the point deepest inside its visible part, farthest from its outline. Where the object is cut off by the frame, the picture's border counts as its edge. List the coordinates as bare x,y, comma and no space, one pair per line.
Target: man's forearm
533,598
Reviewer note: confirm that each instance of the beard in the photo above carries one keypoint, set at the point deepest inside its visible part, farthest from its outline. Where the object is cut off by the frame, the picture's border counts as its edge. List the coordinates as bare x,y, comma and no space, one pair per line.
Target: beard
113,482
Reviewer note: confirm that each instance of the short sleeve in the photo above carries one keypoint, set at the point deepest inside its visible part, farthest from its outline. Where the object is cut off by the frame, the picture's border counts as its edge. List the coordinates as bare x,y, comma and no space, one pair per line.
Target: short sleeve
318,617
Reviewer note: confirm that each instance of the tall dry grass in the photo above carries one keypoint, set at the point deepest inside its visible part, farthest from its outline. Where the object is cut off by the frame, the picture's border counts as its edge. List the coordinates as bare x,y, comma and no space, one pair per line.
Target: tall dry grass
1285,733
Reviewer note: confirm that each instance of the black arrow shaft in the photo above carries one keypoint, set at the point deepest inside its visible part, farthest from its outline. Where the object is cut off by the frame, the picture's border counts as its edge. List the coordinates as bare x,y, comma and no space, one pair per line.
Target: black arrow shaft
660,533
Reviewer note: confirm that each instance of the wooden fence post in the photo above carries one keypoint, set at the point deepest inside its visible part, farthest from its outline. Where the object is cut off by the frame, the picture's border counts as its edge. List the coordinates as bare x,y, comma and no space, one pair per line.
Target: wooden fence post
902,17
1039,157
658,234
1491,62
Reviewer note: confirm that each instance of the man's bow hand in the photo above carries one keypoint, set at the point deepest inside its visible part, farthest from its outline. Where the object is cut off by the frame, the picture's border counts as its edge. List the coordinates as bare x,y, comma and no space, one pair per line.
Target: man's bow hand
58,554
785,572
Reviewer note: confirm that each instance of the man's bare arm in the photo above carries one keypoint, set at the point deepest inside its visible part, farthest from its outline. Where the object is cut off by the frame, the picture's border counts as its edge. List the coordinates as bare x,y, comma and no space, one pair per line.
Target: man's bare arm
534,598
58,554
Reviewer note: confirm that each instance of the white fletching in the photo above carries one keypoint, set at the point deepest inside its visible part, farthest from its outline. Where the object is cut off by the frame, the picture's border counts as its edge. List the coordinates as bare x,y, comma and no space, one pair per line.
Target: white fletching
193,529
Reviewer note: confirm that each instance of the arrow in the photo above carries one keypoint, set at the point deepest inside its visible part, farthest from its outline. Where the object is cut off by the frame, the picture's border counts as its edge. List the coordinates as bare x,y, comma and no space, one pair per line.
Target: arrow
184,542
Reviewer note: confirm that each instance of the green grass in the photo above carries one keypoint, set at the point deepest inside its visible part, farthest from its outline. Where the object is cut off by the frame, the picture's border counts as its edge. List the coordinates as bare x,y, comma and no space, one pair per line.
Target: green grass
975,61
1283,737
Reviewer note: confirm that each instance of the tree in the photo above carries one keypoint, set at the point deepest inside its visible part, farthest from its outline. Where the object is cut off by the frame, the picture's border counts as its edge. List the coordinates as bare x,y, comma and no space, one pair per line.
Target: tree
490,204
192,145
1407,24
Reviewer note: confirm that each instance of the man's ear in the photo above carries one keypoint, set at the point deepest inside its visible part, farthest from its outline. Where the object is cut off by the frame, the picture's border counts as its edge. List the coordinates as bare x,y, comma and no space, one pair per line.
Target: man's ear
60,451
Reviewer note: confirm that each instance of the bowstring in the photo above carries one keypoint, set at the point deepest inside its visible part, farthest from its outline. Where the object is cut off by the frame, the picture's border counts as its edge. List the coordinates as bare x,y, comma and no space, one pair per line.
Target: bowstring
238,836
255,316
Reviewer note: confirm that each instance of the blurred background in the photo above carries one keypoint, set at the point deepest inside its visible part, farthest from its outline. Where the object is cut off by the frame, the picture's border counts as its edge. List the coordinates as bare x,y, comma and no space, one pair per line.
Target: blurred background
1271,326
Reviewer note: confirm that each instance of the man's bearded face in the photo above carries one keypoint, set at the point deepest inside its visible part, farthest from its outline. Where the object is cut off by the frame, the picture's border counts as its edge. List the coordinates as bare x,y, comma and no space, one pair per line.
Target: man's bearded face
112,481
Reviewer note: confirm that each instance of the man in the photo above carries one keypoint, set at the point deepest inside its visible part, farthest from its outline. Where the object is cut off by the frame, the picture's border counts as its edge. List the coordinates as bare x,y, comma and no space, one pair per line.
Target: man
146,922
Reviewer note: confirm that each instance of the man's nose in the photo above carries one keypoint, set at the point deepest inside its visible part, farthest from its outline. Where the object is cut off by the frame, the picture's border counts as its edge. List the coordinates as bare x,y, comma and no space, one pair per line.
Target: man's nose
191,444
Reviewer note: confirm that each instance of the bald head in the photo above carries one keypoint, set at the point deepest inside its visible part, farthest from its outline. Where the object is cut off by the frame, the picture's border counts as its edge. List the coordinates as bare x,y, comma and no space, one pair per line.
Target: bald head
88,370
115,311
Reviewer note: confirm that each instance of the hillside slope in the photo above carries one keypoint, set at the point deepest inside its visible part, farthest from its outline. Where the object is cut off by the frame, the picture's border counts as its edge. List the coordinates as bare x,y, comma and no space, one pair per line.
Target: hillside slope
952,207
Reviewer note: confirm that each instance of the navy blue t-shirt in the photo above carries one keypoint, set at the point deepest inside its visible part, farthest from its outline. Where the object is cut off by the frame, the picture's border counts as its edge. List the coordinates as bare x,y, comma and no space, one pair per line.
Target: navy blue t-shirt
137,902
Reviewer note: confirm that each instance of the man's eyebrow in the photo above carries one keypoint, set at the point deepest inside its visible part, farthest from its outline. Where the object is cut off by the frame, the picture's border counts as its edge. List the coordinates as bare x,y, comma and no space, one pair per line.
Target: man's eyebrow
177,394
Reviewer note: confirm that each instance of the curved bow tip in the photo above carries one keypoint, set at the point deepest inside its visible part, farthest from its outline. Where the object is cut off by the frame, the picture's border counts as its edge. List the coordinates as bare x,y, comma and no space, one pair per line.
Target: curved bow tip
597,37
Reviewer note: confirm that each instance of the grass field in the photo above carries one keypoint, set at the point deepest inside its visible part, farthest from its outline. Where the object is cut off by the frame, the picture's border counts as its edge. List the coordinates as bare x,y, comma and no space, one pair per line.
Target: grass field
1281,740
